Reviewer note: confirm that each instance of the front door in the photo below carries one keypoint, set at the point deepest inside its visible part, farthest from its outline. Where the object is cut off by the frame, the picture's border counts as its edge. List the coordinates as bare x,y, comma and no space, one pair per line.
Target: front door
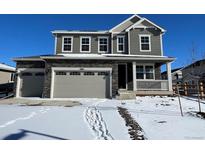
122,76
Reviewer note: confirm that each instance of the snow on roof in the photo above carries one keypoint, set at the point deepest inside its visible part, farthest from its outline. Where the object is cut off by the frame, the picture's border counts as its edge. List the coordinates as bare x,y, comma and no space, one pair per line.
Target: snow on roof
82,55
78,31
7,67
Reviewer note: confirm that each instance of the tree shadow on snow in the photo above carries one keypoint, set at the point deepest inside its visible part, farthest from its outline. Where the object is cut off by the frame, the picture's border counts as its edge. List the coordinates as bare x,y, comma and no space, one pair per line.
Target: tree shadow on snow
23,133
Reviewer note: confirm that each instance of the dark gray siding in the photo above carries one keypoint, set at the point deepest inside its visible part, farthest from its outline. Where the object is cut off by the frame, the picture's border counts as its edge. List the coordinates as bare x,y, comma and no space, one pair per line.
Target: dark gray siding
76,42
135,43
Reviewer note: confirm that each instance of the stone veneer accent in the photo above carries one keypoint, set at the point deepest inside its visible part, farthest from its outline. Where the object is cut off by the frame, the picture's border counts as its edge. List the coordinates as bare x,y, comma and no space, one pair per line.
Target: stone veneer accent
79,63
48,64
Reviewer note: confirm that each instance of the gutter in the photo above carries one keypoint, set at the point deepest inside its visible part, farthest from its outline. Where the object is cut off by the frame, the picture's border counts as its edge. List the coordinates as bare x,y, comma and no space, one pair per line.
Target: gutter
112,58
27,59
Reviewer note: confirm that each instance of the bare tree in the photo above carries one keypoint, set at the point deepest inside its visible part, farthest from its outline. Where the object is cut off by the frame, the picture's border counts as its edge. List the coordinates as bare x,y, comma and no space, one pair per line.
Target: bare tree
193,55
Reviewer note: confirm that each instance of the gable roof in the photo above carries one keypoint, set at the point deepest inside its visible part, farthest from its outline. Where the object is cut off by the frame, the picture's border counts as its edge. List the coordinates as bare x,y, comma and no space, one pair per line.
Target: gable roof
173,70
142,19
129,23
7,67
126,20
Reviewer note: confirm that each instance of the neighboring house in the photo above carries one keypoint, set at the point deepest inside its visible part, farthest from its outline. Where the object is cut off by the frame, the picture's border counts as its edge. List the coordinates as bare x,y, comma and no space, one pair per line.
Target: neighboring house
99,64
176,75
194,72
6,73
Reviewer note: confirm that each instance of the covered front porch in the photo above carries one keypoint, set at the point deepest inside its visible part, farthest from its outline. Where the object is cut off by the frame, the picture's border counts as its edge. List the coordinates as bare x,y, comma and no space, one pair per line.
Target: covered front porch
144,78
146,82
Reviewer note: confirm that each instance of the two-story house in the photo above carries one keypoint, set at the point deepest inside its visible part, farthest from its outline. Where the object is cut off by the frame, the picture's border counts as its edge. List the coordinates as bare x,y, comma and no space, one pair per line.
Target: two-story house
194,73
99,64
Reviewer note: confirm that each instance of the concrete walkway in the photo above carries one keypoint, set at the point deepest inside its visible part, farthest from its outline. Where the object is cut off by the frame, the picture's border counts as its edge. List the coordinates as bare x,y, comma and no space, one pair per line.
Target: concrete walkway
39,102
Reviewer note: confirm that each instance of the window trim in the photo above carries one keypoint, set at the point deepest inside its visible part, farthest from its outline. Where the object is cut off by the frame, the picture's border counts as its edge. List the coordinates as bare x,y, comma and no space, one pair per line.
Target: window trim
145,35
64,44
121,36
144,72
81,37
103,37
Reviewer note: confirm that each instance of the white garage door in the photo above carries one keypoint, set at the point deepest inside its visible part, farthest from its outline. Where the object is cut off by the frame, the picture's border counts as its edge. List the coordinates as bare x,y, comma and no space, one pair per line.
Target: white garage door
81,84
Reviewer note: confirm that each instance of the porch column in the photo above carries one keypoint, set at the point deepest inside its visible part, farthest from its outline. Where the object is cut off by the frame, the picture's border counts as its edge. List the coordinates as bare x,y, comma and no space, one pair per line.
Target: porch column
134,76
169,76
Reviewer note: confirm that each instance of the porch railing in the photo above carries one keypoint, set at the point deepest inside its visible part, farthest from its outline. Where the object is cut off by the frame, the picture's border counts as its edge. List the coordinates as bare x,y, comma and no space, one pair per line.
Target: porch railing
152,85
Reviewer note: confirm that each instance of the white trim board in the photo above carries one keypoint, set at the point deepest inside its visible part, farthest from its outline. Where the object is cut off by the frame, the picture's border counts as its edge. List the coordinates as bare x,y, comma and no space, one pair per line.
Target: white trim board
55,46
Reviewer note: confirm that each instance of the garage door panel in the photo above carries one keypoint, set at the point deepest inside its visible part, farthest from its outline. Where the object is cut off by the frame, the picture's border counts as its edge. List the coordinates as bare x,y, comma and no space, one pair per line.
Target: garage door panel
95,86
31,85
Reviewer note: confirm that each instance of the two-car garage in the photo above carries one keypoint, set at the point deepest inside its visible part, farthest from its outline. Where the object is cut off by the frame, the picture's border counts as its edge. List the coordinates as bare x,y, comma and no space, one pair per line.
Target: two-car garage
66,83
81,83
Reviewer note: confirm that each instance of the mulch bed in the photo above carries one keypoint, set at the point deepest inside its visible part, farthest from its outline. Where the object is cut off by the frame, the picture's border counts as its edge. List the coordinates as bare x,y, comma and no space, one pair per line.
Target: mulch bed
197,114
135,131
201,115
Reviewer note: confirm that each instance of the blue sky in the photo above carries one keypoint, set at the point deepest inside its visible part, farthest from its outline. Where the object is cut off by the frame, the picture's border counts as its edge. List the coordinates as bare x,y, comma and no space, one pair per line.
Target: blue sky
27,35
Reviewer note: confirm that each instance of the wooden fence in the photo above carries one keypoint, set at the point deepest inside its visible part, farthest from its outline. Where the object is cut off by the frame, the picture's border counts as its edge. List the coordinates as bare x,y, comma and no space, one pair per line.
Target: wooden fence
193,90
6,89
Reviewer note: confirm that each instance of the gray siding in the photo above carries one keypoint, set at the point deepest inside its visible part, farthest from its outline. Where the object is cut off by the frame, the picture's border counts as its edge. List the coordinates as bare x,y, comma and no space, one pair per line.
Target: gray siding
135,42
76,42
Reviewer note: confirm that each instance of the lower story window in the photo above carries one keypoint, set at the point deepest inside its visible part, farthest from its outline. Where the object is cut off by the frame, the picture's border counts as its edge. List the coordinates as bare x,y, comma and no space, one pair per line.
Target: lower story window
139,72
89,73
61,73
149,72
145,72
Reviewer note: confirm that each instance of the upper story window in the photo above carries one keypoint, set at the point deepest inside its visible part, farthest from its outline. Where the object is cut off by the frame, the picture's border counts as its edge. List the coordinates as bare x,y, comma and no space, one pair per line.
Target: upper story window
103,44
145,43
120,43
85,43
67,44
145,72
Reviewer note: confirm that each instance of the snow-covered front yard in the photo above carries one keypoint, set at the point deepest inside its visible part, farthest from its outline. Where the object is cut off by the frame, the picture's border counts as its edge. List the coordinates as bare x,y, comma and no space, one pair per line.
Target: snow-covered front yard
99,119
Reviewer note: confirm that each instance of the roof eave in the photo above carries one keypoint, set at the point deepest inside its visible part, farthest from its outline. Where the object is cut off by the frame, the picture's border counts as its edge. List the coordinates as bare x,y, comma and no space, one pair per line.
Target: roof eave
168,59
78,32
27,59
